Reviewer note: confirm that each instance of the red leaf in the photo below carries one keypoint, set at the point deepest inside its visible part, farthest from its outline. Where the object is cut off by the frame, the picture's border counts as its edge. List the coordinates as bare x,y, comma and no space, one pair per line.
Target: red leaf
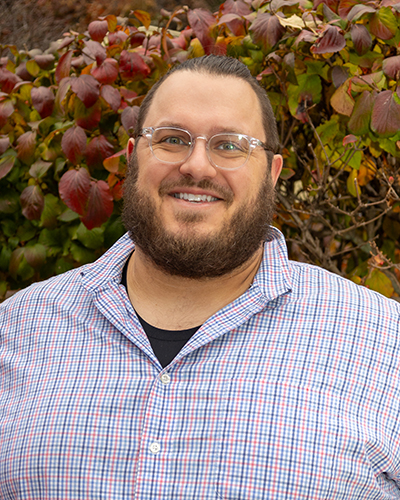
32,202
201,21
8,80
45,61
132,66
26,146
379,29
267,30
4,144
111,96
359,11
137,39
67,41
332,4
94,51
361,38
6,164
129,118
345,7
349,139
391,67
6,110
87,118
107,72
98,30
22,72
97,150
87,88
73,144
117,37
128,94
100,205
330,41
385,119
74,187
43,100
235,7
361,115
63,66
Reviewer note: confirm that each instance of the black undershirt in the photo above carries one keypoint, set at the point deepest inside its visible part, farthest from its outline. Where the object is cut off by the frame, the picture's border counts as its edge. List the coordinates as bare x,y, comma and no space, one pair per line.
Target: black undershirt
166,344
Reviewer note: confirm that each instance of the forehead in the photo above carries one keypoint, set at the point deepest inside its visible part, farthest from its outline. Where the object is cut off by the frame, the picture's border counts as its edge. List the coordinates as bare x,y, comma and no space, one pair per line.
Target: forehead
206,103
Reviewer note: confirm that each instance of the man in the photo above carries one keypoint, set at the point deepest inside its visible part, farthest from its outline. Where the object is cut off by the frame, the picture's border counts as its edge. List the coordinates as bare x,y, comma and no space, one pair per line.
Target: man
198,362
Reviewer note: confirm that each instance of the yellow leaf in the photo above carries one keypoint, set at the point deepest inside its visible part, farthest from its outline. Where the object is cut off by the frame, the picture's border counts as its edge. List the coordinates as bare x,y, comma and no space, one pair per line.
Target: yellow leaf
341,101
143,17
196,49
352,184
379,282
366,172
33,67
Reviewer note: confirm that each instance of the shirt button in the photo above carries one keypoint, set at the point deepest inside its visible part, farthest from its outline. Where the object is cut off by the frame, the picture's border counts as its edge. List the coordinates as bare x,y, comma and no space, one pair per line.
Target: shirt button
155,447
165,378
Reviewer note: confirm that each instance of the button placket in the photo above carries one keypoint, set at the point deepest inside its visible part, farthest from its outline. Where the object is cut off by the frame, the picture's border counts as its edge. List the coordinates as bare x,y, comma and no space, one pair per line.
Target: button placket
155,447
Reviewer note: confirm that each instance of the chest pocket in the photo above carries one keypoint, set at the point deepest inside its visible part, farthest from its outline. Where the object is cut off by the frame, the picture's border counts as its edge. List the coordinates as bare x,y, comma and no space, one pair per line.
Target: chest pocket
281,441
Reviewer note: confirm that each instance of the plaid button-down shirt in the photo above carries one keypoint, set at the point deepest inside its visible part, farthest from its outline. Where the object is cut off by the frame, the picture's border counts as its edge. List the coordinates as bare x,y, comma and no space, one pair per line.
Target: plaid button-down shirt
289,392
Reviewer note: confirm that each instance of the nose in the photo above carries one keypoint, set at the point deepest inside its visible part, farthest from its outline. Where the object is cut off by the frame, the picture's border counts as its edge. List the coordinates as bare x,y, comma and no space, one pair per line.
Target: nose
198,165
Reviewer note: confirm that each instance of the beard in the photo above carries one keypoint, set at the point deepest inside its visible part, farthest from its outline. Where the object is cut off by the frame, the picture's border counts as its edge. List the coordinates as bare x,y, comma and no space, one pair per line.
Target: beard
188,254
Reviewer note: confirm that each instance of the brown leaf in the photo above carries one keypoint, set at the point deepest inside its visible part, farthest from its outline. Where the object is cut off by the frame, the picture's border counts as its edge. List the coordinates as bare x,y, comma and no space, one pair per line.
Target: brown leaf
116,38
8,80
87,88
345,7
381,27
6,110
64,66
267,31
35,255
132,66
331,40
73,144
129,118
74,187
98,30
97,150
361,38
32,202
107,72
26,146
391,67
45,61
94,51
361,115
43,100
385,119
358,11
100,205
201,21
6,164
87,118
236,8
112,96
4,144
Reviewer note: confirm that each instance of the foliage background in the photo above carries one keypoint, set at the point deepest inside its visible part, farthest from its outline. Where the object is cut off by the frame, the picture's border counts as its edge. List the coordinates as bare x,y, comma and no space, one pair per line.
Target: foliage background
331,69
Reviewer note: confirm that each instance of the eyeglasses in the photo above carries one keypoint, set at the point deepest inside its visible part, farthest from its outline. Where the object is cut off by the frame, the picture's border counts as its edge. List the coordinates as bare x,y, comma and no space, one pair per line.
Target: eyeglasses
228,151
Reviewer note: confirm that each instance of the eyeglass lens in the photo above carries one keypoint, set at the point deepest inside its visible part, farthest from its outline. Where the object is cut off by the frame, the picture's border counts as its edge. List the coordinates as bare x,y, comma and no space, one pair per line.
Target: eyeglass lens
224,150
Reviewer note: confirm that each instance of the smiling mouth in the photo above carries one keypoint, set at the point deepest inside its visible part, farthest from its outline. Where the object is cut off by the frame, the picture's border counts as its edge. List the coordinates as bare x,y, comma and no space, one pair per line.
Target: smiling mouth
195,198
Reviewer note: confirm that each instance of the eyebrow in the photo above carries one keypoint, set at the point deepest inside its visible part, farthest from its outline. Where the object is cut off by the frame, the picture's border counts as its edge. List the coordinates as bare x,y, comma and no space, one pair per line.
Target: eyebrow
214,130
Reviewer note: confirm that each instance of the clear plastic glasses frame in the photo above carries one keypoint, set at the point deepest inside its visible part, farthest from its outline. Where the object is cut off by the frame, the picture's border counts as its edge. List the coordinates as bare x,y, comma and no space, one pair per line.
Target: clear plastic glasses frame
228,151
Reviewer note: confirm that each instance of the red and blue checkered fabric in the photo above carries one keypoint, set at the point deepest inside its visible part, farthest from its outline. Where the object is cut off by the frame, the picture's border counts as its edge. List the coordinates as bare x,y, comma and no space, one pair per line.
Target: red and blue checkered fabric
289,392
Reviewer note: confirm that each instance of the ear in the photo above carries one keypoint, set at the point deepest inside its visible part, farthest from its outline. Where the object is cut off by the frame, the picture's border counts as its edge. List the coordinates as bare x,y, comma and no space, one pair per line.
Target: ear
130,147
276,168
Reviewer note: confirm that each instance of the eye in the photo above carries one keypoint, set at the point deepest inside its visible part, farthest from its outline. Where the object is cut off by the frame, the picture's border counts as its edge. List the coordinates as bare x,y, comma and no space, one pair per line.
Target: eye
174,141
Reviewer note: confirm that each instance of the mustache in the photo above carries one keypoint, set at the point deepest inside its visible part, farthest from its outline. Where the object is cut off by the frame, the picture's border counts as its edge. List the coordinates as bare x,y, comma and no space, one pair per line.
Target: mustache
166,186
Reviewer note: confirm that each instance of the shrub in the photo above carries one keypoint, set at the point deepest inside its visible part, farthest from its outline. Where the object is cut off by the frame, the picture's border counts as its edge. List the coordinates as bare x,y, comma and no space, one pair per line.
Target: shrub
331,70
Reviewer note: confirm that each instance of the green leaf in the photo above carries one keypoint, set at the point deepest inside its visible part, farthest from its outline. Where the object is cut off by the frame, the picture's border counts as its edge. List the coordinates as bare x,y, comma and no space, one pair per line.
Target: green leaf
309,90
5,256
351,183
328,130
52,240
379,282
62,266
26,231
81,254
68,215
9,202
93,238
51,210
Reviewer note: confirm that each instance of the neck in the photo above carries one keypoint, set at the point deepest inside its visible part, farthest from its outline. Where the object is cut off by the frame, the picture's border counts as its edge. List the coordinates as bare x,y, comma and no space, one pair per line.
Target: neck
177,303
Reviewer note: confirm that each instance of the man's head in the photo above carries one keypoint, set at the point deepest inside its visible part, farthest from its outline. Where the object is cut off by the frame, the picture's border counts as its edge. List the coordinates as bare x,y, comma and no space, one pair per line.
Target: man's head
186,214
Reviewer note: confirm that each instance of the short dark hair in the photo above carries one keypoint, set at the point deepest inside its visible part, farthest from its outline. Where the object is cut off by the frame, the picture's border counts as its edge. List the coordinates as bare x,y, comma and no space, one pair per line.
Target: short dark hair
220,66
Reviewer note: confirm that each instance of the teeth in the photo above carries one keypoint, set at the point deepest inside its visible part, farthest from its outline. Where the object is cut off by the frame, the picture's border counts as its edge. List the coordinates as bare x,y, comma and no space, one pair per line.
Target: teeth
197,198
